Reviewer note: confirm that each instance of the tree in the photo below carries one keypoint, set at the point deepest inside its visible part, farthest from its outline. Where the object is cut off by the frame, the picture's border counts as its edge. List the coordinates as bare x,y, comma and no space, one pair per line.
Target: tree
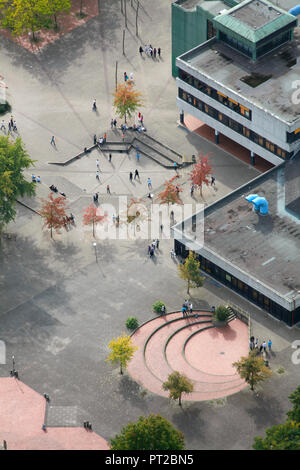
281,437
201,171
177,384
170,195
55,7
93,217
13,159
149,433
294,414
24,15
126,100
122,351
252,369
190,272
53,212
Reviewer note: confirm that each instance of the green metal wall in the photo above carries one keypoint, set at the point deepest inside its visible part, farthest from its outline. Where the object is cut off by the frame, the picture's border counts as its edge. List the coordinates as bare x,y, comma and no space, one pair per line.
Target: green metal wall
189,28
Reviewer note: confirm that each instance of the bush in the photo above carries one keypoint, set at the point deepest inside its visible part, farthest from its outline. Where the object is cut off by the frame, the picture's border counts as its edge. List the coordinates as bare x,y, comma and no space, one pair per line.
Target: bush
5,107
222,313
157,306
132,323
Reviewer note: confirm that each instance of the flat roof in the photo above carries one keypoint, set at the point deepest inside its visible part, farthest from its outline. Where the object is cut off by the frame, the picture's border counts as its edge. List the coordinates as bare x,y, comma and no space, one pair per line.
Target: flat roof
227,67
265,247
254,20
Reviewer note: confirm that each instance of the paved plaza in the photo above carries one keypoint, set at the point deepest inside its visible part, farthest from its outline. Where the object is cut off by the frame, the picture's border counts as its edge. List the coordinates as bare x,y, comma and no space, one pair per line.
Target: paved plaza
63,300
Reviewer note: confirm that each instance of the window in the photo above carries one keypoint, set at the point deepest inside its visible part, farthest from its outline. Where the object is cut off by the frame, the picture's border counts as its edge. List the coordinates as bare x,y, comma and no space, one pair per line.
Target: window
270,146
211,32
246,132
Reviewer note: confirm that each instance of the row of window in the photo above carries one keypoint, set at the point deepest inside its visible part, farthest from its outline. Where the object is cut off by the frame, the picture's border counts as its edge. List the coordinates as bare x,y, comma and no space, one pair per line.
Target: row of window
293,136
235,44
234,125
215,94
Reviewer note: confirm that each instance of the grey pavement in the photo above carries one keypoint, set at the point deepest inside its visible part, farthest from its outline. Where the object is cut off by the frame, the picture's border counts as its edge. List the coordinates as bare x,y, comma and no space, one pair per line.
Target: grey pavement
62,301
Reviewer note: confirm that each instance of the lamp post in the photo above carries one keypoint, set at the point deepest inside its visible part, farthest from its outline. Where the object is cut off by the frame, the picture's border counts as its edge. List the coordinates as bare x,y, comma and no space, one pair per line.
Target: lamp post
95,246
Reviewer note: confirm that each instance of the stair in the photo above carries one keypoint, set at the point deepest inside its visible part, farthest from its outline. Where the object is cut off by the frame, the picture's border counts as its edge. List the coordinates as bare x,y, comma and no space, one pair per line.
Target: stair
172,342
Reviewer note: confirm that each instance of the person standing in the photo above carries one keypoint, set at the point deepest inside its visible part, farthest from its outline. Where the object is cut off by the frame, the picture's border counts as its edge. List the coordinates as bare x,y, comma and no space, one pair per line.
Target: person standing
108,189
149,183
2,125
269,344
138,156
159,51
264,345
191,308
141,50
109,157
94,105
97,175
95,139
112,124
157,243
154,52
115,123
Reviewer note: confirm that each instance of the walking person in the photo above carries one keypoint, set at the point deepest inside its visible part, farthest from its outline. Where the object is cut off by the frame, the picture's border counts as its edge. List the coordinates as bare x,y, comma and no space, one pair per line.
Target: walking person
264,345
95,139
115,123
138,156
52,141
192,190
157,244
213,179
108,189
112,124
15,126
191,308
109,157
149,249
97,164
269,344
149,183
130,176
94,107
136,174
12,121
159,52
141,51
9,127
2,125
98,176
154,53
172,253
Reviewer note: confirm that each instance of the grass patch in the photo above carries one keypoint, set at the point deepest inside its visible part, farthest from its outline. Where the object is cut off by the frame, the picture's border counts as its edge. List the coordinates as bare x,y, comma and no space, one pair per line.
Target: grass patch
281,370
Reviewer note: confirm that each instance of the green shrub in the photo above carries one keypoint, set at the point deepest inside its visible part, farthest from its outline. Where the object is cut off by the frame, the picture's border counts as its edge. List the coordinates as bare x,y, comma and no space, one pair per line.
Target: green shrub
222,313
5,107
157,306
132,323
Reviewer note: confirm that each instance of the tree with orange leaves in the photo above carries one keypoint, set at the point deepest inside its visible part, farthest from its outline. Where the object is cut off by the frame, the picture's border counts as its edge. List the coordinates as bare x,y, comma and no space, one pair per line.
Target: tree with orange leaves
200,172
126,100
170,195
53,212
93,217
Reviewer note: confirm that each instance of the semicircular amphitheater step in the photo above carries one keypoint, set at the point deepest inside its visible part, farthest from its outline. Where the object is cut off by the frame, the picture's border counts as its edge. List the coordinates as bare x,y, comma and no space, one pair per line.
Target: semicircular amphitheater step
193,346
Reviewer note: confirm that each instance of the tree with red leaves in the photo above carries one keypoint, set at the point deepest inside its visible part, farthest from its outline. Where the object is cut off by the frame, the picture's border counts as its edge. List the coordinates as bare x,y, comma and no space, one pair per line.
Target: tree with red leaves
201,172
92,217
53,212
170,195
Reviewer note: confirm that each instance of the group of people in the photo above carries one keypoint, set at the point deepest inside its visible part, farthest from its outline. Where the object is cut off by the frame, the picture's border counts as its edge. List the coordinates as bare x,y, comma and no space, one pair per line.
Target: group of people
55,190
186,308
130,78
35,179
69,220
254,345
154,246
150,51
136,175
12,125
